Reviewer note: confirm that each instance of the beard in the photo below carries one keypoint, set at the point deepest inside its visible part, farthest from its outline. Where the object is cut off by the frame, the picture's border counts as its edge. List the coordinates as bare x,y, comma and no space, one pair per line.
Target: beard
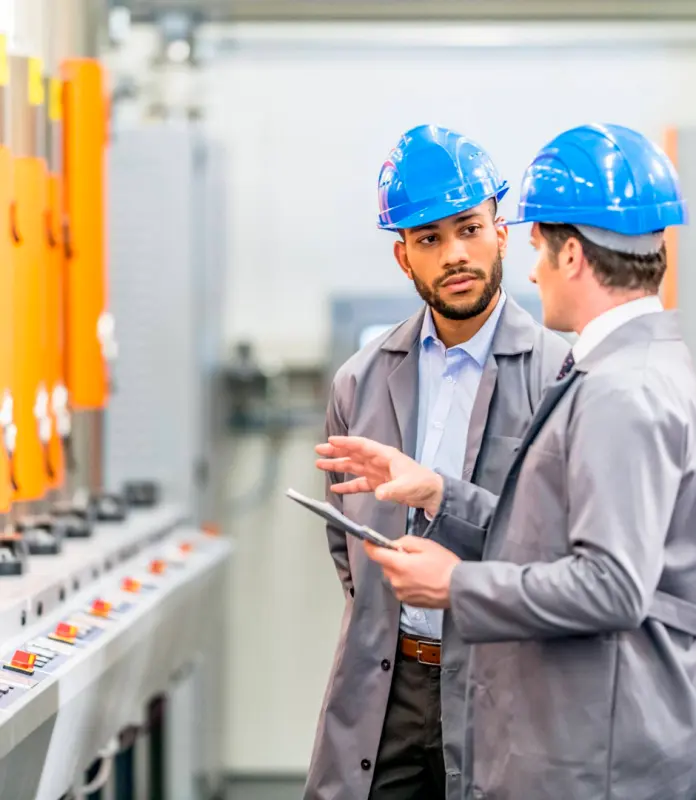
466,308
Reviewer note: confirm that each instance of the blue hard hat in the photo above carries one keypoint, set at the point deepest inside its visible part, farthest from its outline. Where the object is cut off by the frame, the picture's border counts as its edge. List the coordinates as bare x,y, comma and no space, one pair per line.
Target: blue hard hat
433,173
605,176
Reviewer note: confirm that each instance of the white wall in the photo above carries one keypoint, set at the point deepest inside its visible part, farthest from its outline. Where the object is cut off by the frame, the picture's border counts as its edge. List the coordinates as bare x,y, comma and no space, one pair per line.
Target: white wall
309,120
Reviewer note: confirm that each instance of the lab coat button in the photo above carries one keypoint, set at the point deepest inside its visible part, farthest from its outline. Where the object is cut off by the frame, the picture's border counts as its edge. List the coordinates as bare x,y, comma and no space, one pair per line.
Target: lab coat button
366,764
386,665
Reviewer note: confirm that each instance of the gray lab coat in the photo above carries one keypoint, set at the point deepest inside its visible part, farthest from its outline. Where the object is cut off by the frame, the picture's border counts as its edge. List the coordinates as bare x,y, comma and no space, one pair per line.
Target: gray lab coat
583,686
375,394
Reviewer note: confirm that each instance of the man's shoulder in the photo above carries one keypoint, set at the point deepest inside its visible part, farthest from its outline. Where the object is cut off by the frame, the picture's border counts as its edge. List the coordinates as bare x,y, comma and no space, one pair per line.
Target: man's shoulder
363,360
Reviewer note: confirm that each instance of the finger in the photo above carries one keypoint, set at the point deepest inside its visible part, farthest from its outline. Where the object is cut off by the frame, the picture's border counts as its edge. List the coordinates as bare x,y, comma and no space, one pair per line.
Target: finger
360,445
356,486
325,449
341,465
415,544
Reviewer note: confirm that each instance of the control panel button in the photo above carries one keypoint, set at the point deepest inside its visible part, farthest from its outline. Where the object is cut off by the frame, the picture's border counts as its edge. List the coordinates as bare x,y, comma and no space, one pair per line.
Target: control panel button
130,585
22,661
64,632
157,567
100,608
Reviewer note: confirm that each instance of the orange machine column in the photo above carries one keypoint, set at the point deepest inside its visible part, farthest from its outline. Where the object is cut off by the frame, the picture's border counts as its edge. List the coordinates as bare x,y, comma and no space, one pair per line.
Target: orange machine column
89,342
30,199
54,317
84,154
7,423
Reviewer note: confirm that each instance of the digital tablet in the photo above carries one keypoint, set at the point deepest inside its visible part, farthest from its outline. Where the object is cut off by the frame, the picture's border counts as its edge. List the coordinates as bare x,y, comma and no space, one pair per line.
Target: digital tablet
330,514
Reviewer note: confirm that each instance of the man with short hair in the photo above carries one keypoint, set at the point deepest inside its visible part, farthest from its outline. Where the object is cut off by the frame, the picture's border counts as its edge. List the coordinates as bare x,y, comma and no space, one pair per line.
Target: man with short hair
581,681
454,386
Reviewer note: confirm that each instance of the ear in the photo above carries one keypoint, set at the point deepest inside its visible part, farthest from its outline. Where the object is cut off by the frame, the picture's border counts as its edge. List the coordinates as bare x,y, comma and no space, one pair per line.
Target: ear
571,259
401,257
502,232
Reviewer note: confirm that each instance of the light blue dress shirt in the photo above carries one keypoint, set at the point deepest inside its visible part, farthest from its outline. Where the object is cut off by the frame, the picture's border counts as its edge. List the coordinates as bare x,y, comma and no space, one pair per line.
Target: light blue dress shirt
447,384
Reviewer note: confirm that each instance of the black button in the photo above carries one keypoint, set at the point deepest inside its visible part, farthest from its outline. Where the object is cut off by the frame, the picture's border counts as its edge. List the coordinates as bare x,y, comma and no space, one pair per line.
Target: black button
365,764
386,665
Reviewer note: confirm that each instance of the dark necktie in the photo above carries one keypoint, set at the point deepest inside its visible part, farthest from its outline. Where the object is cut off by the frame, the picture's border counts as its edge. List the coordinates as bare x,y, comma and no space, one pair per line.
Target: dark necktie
568,365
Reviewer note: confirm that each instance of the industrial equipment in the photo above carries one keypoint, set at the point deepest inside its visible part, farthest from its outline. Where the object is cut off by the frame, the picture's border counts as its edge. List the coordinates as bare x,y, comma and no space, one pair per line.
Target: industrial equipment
110,611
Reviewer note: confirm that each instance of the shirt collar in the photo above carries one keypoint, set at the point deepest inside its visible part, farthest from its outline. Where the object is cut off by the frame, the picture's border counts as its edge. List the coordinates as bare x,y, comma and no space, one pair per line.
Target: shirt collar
479,346
605,324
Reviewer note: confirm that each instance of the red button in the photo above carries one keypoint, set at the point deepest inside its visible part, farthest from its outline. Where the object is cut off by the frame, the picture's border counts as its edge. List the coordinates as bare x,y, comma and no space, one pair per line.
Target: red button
100,608
186,547
66,631
130,585
157,566
23,661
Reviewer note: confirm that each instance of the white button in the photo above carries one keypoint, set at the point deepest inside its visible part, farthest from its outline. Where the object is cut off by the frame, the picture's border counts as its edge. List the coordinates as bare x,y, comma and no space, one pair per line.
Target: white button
449,379
437,425
418,615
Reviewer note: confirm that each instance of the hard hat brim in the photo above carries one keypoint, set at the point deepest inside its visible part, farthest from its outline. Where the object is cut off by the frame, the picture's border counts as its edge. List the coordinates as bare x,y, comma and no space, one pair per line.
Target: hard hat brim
445,208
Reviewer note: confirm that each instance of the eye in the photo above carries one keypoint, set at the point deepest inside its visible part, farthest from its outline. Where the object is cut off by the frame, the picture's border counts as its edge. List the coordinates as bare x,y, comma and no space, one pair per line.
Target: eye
431,238
471,230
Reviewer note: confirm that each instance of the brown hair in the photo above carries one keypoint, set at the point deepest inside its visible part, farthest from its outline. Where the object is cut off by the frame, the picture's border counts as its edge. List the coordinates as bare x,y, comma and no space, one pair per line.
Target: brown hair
612,269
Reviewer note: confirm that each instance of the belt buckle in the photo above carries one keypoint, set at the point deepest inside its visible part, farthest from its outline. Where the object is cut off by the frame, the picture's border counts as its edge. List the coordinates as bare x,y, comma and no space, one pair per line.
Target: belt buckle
419,642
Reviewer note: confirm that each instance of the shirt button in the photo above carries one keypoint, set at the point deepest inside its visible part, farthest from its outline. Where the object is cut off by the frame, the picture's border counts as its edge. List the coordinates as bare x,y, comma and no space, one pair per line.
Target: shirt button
449,379
437,425
418,615
365,764
386,665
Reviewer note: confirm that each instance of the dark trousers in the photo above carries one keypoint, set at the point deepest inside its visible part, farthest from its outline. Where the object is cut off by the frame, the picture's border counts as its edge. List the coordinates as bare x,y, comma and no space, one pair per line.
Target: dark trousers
410,764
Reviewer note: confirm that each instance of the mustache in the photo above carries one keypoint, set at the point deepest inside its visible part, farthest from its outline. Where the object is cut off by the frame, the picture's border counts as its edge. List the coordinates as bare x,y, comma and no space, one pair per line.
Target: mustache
468,272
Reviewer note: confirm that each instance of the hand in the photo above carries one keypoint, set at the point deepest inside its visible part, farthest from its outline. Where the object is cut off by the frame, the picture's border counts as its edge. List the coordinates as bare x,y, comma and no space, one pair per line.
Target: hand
384,470
420,573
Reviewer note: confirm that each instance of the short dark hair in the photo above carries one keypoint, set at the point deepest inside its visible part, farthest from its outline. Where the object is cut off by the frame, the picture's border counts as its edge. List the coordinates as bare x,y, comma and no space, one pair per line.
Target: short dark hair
612,269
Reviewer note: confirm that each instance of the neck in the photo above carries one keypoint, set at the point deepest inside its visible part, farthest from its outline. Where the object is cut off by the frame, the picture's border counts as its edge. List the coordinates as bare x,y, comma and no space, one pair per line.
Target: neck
457,331
604,301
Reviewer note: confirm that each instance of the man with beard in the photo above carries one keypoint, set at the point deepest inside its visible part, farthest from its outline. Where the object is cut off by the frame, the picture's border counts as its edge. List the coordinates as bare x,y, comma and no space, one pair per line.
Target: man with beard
453,386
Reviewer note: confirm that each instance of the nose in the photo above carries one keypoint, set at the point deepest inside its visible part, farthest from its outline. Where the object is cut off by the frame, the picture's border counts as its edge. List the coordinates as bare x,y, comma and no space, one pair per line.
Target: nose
456,251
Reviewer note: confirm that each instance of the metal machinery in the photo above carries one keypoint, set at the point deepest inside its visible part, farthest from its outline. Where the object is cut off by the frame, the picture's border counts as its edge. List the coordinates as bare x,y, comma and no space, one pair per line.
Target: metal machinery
109,602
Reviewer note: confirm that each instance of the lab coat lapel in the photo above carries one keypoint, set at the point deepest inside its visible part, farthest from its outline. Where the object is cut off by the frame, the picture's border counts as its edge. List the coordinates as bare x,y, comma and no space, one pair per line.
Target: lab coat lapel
402,381
403,392
479,416
512,337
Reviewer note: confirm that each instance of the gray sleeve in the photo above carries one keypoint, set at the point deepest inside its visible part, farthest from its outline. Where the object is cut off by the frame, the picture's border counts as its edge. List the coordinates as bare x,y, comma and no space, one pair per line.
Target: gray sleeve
337,539
462,519
620,502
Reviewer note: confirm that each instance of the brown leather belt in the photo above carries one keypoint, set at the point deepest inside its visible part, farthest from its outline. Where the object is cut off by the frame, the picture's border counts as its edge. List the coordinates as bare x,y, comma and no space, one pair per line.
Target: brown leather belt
422,651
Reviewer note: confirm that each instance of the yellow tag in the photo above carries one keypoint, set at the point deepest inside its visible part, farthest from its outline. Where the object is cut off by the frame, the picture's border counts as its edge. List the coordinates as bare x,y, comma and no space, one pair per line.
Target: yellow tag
37,95
55,100
4,63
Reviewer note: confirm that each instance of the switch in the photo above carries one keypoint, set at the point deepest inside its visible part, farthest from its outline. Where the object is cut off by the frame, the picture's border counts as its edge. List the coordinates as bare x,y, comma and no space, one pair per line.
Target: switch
157,567
100,608
64,633
22,662
130,585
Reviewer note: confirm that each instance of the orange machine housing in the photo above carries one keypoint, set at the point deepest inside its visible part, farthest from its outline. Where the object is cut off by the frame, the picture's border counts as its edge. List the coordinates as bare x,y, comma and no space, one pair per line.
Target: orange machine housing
84,147
6,313
53,334
30,183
